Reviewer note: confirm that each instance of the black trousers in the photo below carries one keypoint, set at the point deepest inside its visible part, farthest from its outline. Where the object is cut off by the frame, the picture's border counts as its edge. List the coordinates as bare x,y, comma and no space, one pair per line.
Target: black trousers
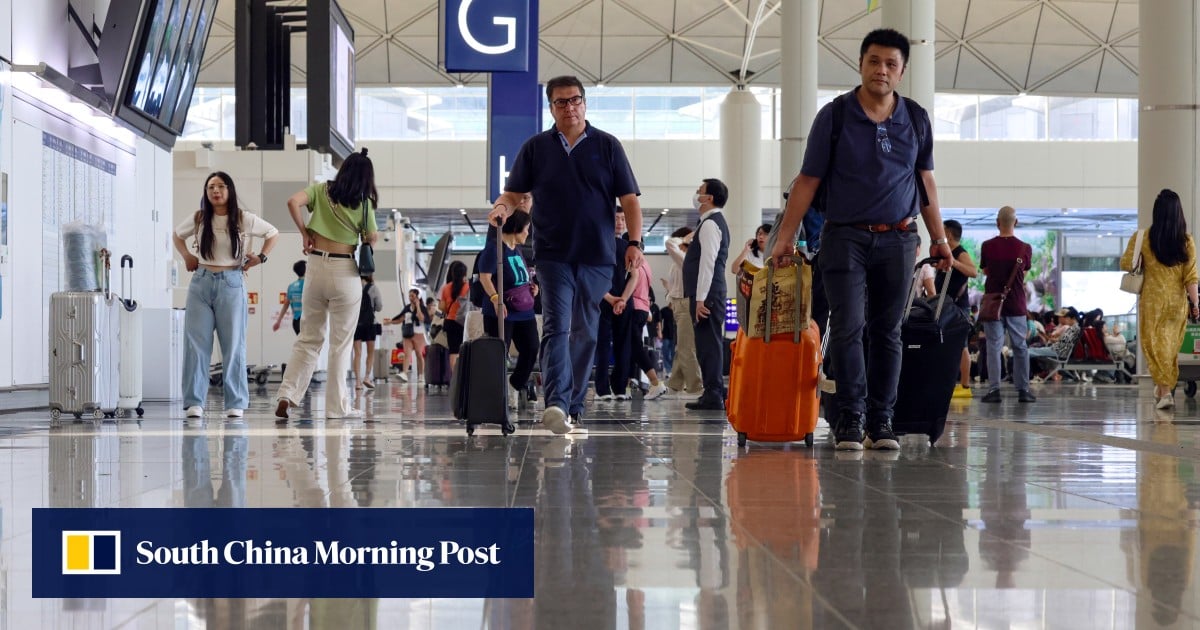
523,335
639,354
710,353
612,345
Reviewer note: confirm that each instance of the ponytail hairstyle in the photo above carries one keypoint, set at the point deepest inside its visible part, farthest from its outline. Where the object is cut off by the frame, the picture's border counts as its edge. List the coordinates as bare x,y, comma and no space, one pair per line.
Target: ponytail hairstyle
204,218
458,278
354,182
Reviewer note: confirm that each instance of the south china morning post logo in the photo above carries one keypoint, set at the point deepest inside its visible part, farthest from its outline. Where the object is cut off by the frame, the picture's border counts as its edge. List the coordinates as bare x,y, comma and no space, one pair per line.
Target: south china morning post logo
272,552
91,553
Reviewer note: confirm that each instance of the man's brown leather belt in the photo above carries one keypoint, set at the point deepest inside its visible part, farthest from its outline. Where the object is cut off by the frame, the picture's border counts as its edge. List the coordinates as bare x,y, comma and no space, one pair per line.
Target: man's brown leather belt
903,226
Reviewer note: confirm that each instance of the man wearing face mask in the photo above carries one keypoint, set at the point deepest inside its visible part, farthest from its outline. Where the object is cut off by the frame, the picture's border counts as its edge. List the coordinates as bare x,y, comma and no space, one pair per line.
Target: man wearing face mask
704,286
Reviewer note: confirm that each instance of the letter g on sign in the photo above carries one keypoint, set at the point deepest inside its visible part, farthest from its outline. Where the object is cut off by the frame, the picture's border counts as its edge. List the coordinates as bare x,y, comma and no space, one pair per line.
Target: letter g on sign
510,23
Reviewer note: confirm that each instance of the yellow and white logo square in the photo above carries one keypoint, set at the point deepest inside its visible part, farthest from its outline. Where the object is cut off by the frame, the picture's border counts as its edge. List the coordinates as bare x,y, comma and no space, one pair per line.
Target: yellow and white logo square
91,553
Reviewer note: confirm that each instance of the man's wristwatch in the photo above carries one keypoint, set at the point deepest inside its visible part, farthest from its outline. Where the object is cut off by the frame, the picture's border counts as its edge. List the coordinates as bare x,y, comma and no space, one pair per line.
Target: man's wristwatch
262,258
941,241
637,244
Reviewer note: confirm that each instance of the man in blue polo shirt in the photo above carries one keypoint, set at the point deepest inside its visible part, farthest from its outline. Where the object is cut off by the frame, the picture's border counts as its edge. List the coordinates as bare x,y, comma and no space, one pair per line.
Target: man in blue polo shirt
574,172
869,239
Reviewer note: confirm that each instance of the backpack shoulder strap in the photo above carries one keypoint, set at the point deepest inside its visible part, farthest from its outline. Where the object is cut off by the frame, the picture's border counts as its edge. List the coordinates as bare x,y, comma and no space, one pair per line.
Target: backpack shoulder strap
838,112
918,116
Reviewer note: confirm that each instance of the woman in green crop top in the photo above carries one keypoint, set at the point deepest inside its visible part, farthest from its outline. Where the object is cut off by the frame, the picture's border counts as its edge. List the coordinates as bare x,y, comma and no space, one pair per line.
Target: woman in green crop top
332,290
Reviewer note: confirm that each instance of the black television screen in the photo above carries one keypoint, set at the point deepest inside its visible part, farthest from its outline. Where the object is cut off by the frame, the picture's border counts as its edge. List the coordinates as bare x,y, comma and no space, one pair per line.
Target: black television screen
158,46
330,79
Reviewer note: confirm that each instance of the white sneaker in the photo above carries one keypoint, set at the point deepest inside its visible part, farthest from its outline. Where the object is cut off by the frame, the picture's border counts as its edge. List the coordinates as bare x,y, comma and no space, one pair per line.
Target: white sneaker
195,411
604,397
353,413
1166,402
514,399
233,413
622,397
555,419
656,391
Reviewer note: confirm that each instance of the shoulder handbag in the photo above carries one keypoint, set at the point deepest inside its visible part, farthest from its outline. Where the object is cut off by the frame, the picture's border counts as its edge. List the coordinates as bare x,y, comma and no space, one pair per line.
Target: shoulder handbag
992,304
1131,282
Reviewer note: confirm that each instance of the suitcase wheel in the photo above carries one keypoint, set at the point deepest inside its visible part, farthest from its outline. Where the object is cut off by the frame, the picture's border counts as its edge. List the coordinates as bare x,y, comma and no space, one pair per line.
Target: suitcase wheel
741,439
98,414
78,415
216,380
507,428
261,378
470,429
140,411
808,440
1190,389
55,414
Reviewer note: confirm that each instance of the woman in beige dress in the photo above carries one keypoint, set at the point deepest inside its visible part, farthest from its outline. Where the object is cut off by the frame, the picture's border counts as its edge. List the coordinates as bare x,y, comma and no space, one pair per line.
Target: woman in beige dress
1169,260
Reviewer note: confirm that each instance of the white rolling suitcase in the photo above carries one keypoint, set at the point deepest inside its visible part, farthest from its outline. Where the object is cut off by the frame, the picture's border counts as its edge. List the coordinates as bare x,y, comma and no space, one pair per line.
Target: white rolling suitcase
84,354
130,335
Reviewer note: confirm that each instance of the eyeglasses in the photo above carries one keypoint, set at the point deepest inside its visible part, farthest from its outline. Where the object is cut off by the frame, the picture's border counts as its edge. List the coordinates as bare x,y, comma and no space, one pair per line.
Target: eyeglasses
881,136
562,103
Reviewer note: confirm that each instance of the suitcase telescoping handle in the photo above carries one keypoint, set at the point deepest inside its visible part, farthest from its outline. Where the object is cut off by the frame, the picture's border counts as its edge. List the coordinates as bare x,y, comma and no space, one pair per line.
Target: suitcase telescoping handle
916,283
498,281
127,300
796,260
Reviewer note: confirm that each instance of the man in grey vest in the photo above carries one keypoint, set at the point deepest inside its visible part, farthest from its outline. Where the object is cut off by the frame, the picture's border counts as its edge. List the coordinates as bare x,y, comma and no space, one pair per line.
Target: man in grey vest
704,286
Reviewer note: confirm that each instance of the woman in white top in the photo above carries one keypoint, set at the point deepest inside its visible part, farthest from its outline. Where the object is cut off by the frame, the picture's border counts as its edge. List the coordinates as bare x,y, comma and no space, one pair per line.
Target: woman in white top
753,250
217,294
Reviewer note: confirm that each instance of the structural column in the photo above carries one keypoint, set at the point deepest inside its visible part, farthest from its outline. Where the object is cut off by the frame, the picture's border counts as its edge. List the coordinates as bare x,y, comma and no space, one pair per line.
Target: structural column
1167,96
798,69
741,159
915,18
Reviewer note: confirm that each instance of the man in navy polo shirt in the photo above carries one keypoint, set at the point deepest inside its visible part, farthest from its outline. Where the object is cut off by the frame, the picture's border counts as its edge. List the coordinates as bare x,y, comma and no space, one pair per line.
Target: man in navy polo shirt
869,239
574,172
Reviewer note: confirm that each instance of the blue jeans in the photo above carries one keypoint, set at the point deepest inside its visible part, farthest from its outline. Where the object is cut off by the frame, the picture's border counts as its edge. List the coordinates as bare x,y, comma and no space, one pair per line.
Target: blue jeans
215,301
668,353
1017,328
571,297
867,277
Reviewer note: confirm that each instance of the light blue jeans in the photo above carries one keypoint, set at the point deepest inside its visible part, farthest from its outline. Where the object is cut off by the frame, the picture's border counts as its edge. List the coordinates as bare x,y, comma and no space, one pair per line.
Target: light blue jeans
1017,328
216,301
571,297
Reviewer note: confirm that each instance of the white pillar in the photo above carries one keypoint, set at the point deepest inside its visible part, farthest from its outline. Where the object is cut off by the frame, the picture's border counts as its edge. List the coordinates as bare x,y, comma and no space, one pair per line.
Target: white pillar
915,19
798,92
1167,96
741,157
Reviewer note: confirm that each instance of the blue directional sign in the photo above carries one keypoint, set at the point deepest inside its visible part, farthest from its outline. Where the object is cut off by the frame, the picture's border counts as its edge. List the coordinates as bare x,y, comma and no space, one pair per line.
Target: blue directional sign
486,35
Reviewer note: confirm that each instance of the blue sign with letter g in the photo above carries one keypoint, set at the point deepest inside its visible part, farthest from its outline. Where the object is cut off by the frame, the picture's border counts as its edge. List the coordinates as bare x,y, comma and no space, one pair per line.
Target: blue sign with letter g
484,35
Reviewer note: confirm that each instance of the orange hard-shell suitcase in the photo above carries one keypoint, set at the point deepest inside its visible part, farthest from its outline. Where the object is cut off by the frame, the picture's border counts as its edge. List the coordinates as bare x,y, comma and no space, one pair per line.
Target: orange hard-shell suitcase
773,386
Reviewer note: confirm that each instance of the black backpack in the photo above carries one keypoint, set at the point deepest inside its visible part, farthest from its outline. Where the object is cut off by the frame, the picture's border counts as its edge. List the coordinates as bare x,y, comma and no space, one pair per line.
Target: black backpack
916,114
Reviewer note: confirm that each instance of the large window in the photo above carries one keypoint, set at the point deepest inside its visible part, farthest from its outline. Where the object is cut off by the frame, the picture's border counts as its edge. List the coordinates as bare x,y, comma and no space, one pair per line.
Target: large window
679,113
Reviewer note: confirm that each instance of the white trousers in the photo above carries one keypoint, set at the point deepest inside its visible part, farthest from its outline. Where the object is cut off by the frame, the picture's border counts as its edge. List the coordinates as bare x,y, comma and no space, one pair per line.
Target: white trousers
332,293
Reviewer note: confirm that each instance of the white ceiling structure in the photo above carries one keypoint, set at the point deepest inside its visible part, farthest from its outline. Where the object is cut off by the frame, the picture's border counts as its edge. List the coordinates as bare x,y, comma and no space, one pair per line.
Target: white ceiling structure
1049,47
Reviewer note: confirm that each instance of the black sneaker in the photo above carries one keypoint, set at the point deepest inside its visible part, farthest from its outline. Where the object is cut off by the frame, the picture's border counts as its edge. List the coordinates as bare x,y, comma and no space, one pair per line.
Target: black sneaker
1026,396
848,434
880,436
992,396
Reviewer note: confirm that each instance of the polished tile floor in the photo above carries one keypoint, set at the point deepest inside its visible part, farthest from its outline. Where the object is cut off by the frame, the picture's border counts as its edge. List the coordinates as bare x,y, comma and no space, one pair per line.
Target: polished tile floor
1080,511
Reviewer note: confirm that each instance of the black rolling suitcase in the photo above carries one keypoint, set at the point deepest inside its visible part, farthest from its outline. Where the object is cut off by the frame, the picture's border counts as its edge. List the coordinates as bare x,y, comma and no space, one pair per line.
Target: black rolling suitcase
477,390
933,335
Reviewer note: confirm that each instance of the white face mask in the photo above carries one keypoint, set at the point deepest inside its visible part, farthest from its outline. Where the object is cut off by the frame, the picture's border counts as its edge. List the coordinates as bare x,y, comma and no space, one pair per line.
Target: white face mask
696,201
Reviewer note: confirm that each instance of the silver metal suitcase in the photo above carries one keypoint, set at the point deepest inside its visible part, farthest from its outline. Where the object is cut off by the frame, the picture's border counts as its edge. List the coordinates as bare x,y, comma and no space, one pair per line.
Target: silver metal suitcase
84,354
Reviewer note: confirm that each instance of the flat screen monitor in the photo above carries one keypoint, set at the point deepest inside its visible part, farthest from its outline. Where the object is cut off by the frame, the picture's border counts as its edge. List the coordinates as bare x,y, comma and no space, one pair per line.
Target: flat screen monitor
150,54
331,80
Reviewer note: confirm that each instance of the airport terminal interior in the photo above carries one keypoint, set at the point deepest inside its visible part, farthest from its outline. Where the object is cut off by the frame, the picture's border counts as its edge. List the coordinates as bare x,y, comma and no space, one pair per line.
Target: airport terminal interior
1079,510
